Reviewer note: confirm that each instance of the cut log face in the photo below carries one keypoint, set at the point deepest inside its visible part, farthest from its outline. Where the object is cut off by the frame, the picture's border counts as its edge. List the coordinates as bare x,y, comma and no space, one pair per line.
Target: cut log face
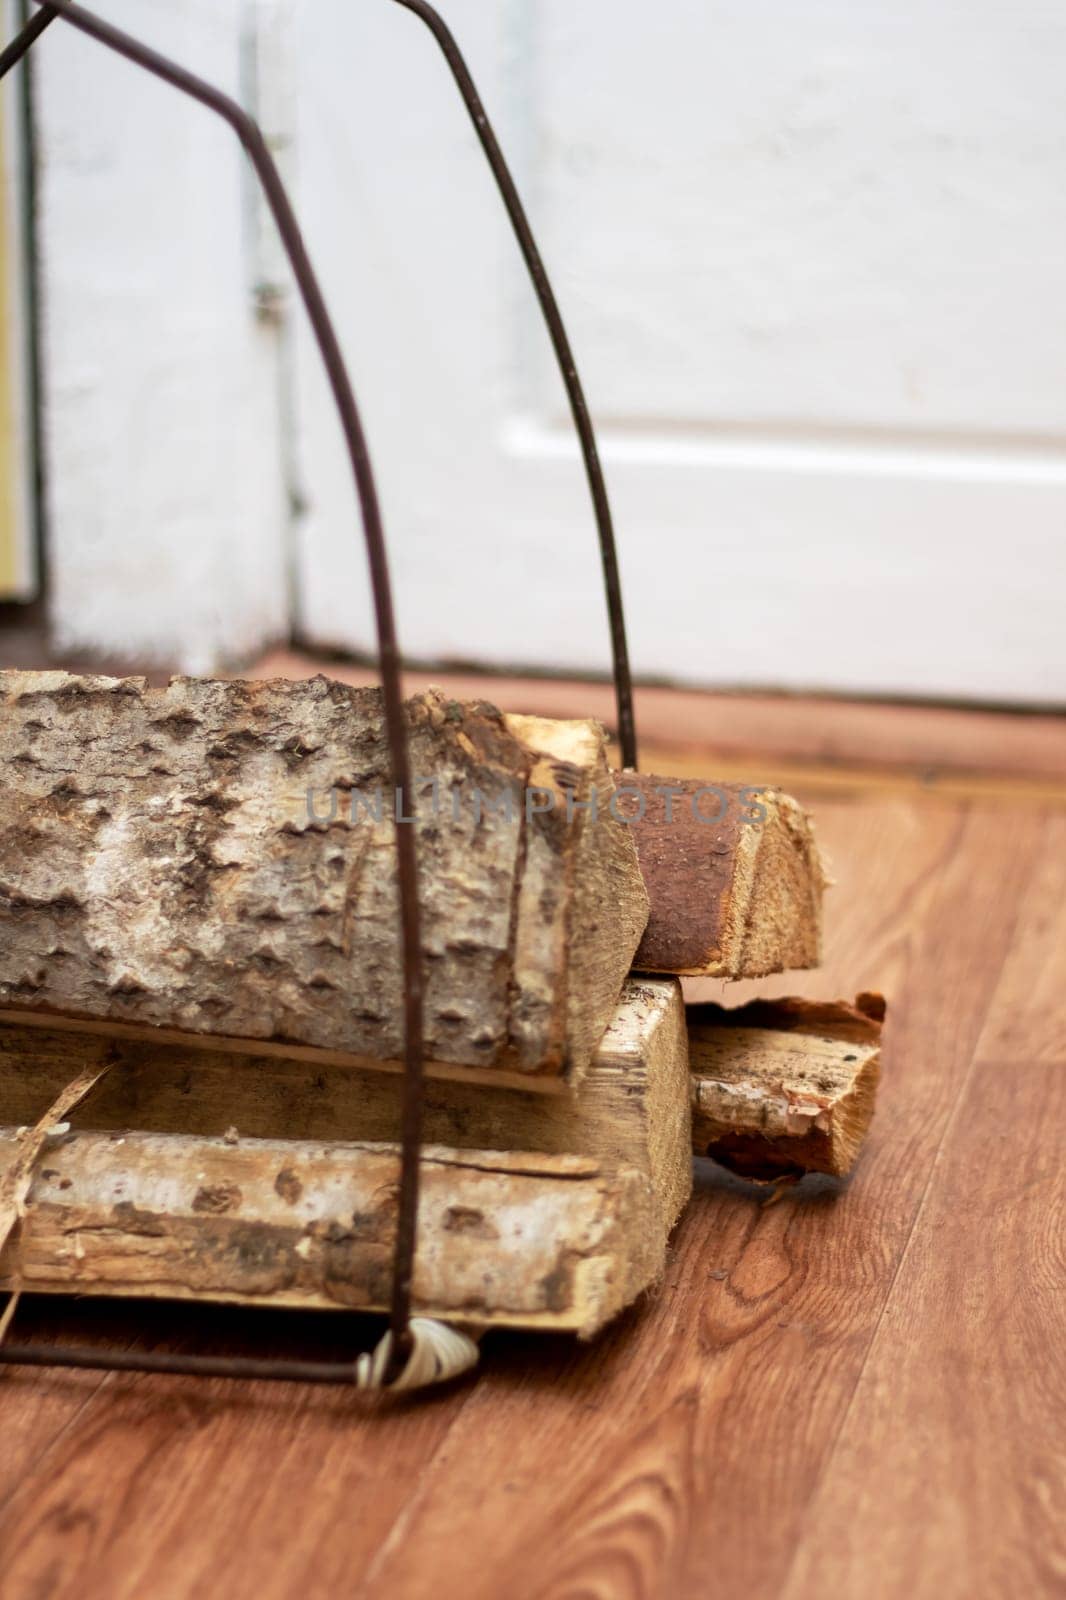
558,1243
632,1108
733,873
783,1087
219,858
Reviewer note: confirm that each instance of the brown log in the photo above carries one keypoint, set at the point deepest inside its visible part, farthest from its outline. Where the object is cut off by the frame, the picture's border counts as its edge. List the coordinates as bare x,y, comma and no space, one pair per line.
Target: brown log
783,1087
633,1106
733,873
161,867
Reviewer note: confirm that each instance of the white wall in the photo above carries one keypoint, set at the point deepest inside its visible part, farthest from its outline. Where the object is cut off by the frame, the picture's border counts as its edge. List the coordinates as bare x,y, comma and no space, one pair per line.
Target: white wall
166,503
812,262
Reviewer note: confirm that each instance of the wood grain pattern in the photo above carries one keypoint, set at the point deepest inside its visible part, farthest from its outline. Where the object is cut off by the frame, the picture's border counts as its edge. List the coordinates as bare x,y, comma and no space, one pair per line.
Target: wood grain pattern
956,1422
176,1488
715,1441
1027,1017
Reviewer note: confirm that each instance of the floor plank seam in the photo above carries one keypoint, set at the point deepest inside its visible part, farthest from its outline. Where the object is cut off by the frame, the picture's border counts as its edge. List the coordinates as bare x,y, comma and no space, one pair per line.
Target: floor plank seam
46,1449
394,1534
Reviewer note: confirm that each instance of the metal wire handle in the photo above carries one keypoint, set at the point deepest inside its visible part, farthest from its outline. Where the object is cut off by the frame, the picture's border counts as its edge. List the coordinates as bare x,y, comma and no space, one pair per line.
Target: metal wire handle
564,355
251,138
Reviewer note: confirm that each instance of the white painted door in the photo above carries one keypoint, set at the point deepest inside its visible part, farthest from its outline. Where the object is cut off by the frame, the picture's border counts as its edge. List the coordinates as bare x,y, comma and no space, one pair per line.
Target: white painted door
812,259
17,530
165,460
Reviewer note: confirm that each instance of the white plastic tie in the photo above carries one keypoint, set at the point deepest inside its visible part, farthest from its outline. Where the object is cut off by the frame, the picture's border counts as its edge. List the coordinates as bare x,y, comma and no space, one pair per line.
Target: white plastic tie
438,1353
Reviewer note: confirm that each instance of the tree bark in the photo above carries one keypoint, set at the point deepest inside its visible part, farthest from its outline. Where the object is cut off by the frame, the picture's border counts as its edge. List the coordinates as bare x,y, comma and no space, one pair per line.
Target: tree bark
633,1106
558,1243
218,858
733,874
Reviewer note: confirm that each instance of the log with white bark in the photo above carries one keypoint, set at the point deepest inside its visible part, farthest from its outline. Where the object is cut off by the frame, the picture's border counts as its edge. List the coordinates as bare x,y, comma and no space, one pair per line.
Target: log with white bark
558,1243
775,1087
185,858
213,1175
173,1181
783,1087
734,876
633,1107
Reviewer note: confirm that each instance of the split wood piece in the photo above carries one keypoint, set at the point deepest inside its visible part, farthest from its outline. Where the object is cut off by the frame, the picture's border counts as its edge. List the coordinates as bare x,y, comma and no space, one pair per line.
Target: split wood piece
633,1106
185,858
784,1087
733,873
559,1243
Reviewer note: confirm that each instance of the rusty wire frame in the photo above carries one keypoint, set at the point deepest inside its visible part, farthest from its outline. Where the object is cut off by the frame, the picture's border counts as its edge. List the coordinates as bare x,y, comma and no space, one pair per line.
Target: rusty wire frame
390,663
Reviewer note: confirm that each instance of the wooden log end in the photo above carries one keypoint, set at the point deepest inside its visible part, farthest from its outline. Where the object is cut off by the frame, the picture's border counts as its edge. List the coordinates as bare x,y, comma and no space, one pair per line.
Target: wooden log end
784,1087
734,876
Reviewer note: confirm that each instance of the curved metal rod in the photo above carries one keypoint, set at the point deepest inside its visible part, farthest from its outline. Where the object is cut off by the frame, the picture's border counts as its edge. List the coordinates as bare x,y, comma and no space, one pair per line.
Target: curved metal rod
13,53
256,1369
248,132
623,683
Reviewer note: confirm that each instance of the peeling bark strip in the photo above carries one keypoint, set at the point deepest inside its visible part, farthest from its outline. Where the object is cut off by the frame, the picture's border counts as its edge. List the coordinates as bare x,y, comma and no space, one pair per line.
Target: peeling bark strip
159,867
548,1242
632,1107
731,897
18,1177
784,1086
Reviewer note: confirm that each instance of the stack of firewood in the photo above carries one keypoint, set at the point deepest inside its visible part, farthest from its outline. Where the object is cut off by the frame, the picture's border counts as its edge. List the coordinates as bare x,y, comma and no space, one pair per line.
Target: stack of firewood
198,898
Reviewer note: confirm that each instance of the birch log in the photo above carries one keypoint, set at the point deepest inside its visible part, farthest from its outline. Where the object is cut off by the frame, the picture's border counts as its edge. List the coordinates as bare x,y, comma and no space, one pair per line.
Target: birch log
783,1087
558,1243
219,858
733,873
633,1107
148,1194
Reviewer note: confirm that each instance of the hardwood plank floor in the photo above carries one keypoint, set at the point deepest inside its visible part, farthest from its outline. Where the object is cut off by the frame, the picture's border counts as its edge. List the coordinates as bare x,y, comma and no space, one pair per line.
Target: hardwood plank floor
1027,1018
947,1474
851,1391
